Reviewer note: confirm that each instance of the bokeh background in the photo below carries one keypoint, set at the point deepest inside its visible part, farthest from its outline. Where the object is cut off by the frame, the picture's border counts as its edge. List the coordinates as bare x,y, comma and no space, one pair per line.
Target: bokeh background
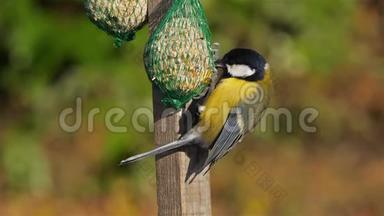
325,54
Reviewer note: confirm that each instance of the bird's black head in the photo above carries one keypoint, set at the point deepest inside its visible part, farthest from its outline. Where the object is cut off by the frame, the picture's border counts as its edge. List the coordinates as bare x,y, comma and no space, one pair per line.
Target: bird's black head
244,64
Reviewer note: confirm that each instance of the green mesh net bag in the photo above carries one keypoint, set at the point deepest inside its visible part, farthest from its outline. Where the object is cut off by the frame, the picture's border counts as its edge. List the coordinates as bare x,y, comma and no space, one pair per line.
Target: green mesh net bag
179,57
119,18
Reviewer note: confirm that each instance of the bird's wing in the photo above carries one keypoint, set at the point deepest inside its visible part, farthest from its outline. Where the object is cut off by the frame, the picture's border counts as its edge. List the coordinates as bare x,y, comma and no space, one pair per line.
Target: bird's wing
231,134
239,122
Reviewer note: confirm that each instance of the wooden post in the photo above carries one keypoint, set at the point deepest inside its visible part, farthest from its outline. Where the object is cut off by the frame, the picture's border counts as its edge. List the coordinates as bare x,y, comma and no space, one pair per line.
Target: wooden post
174,195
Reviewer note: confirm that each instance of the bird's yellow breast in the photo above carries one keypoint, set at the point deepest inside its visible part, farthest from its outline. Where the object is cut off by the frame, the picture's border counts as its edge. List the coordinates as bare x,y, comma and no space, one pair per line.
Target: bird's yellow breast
229,93
226,96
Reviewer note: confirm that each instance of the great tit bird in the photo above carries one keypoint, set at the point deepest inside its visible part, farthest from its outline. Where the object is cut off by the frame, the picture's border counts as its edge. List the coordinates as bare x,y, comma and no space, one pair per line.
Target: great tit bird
233,108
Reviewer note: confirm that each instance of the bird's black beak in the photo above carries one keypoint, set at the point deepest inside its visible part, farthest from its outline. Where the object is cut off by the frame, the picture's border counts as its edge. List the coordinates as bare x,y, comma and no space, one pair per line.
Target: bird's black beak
219,64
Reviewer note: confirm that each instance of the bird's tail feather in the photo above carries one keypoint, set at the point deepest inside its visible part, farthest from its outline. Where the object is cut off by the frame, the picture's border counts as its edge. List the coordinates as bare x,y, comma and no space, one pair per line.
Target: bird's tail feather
161,149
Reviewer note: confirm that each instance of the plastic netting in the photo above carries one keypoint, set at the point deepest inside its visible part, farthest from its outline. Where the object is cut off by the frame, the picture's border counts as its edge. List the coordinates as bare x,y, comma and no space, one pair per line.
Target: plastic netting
119,18
179,57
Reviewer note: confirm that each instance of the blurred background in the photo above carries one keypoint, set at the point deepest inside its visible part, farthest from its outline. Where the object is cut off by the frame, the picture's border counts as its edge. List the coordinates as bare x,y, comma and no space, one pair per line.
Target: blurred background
325,54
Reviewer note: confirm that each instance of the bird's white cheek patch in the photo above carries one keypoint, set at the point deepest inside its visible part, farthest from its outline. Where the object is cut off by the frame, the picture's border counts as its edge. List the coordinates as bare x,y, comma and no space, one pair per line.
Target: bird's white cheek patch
240,70
266,67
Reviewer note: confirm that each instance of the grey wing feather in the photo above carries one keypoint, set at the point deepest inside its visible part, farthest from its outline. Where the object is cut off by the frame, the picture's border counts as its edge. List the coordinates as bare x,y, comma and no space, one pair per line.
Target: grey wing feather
239,122
231,133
